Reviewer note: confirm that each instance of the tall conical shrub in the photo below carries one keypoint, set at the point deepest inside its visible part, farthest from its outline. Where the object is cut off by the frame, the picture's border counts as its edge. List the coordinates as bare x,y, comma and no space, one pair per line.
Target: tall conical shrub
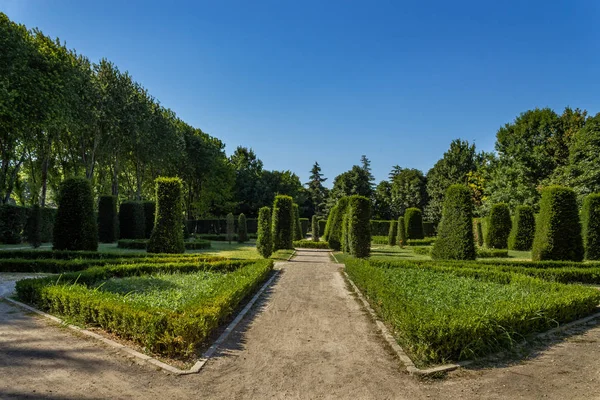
401,232
242,229
591,226
455,239
499,226
315,228
334,237
283,223
523,230
108,219
558,229
393,233
413,220
167,235
358,215
264,240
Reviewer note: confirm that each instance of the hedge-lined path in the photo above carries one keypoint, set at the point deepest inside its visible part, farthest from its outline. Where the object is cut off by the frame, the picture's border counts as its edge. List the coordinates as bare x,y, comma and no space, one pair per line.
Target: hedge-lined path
307,337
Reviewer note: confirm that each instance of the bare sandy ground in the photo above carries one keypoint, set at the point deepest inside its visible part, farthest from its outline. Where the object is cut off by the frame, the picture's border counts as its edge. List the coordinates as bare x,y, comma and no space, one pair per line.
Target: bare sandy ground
307,338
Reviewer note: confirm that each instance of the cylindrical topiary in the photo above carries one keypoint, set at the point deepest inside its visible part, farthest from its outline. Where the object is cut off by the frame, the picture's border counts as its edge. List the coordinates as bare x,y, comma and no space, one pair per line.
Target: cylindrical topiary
334,237
264,240
358,215
499,226
455,233
149,217
591,226
132,221
75,227
12,223
298,235
34,234
242,229
523,230
393,233
315,228
283,223
327,225
229,227
108,219
413,221
558,229
167,235
478,232
401,232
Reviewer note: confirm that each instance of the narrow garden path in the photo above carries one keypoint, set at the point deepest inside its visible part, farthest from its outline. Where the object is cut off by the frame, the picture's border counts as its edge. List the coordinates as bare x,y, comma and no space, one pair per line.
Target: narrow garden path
307,337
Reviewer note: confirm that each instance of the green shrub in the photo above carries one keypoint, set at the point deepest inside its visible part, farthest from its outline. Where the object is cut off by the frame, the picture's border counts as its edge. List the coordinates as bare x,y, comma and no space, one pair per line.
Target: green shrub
421,242
401,232
34,235
242,229
310,244
380,227
346,232
334,237
304,226
381,240
428,229
315,228
413,221
499,227
47,227
75,227
12,223
322,226
298,235
523,230
230,227
393,234
478,232
328,223
221,238
264,242
108,219
455,233
558,230
167,235
132,221
283,223
422,250
149,217
591,226
358,215
492,253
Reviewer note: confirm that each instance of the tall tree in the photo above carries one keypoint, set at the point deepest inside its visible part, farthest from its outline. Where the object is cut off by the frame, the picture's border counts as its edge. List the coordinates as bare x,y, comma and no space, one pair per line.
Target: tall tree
366,166
248,173
317,191
356,181
408,189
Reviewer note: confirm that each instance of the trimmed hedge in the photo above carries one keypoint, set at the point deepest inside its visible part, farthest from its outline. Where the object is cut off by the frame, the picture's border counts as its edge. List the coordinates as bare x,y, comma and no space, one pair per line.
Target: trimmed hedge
334,237
478,232
591,226
242,229
34,236
304,224
298,235
421,242
108,219
323,227
283,223
401,232
393,234
264,242
413,221
499,227
230,232
12,223
167,235
142,244
310,244
132,221
429,229
149,217
75,227
558,230
380,227
523,230
358,215
220,238
315,229
455,232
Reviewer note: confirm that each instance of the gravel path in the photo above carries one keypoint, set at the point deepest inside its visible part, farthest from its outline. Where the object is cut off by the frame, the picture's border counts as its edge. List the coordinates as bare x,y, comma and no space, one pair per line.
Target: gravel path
306,338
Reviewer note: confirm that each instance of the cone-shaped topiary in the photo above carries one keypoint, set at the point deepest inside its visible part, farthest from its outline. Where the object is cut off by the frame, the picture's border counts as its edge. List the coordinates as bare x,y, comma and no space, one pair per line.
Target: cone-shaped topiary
523,230
108,219
132,221
358,215
401,232
242,229
298,235
455,233
334,237
167,235
413,221
393,234
149,217
499,226
591,226
264,240
283,223
75,227
230,227
34,234
315,228
558,229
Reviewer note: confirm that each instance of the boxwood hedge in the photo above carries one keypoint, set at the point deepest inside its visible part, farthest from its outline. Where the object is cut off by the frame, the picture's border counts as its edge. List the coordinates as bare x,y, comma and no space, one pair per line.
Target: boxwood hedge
167,235
358,231
132,220
108,219
413,221
523,230
455,233
499,226
591,226
264,242
283,222
393,233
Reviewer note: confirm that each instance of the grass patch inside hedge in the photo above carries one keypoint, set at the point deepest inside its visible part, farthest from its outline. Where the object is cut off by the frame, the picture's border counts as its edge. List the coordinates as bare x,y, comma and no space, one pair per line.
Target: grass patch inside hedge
441,315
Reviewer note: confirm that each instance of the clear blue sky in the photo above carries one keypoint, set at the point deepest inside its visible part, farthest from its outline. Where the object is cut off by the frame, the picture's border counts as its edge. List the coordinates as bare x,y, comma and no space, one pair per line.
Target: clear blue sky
327,81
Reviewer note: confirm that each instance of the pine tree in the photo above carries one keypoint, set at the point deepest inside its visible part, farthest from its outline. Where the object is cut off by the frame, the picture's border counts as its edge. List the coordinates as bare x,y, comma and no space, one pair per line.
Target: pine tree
318,192
366,165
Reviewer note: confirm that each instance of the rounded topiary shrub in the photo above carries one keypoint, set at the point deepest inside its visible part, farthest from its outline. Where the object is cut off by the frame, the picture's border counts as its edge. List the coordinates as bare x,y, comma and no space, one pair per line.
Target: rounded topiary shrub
149,217
523,230
499,226
283,223
401,232
298,235
108,219
591,226
334,237
358,215
167,235
558,229
264,240
132,221
34,234
413,221
75,227
315,228
455,239
242,229
393,233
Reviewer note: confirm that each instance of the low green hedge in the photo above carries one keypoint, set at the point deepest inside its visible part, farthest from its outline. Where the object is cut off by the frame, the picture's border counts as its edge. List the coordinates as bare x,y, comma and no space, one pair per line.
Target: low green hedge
428,241
441,315
220,238
491,253
309,244
159,329
141,244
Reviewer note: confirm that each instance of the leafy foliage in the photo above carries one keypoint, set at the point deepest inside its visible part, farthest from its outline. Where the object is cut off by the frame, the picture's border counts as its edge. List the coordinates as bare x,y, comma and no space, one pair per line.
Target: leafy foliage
455,234
167,235
315,228
264,242
108,219
523,230
591,226
499,227
75,227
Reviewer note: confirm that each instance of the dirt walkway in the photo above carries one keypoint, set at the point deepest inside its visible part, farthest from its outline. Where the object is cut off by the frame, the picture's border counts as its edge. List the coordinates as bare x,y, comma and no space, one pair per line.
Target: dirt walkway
308,338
